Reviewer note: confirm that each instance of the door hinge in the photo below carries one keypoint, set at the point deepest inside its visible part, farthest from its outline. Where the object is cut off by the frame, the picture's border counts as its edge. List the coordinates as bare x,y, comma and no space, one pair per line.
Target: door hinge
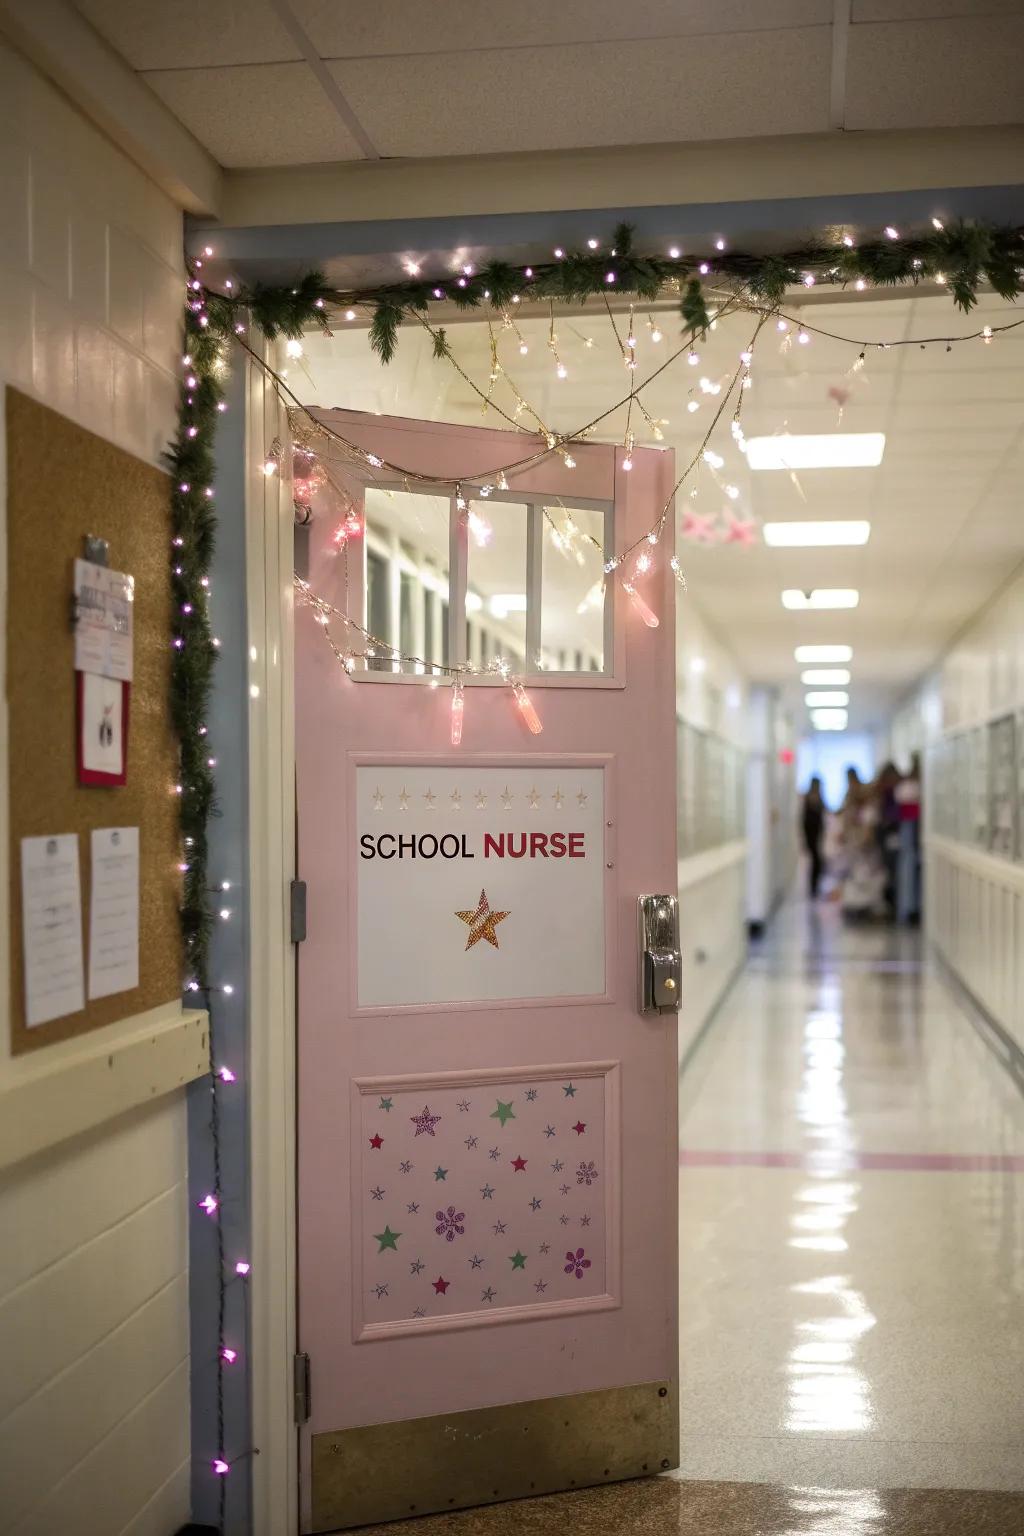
301,1388
298,910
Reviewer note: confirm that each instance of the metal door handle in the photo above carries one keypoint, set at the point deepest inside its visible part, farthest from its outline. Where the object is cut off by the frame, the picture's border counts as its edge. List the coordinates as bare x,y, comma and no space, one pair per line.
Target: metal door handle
660,961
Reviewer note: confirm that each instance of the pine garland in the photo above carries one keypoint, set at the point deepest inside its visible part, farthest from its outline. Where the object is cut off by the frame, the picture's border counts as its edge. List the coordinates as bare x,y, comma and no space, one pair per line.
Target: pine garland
964,256
191,462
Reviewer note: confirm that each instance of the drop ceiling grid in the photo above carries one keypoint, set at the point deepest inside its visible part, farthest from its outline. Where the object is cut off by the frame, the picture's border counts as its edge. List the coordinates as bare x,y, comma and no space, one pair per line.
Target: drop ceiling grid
478,77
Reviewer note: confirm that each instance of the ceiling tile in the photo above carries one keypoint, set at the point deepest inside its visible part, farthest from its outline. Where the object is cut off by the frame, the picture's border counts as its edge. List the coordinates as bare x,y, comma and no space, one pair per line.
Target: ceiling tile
930,10
264,114
592,94
408,26
190,33
935,74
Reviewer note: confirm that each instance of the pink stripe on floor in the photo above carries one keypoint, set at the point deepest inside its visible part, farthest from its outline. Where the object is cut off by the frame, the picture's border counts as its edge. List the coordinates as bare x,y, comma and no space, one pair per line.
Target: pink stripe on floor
841,1161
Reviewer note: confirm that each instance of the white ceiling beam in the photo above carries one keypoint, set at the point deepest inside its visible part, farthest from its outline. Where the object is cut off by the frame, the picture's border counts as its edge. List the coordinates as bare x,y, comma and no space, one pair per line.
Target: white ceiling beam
634,176
65,48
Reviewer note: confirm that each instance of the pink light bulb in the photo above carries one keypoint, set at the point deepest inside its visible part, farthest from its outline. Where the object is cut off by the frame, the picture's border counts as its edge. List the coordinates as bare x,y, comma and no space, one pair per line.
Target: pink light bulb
458,708
646,612
242,1267
526,709
220,1466
226,1075
230,1355
209,1204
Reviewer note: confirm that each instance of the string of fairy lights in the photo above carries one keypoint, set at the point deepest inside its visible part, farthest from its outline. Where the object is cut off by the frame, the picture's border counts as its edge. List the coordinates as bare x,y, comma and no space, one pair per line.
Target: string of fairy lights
219,317
361,645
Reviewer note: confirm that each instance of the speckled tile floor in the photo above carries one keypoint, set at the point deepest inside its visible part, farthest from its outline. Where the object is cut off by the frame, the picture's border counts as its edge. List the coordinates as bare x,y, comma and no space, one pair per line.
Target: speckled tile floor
851,1226
666,1506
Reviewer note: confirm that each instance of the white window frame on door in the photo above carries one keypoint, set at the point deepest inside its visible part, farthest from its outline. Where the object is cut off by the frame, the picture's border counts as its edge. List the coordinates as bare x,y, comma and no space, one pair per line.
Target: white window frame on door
609,675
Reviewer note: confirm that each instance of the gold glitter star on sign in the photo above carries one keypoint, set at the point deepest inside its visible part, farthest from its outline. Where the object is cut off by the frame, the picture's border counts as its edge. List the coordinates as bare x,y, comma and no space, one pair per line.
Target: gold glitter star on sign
482,922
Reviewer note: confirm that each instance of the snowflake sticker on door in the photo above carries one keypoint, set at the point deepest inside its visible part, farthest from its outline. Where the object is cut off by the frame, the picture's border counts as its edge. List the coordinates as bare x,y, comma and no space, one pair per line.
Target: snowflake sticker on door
519,1219
479,884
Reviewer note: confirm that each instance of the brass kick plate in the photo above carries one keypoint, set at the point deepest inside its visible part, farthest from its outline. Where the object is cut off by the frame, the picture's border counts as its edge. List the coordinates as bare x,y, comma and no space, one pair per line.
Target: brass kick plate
457,1460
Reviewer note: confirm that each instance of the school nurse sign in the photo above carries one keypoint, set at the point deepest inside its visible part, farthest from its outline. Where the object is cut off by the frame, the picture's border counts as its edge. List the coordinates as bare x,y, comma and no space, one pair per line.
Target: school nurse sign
479,884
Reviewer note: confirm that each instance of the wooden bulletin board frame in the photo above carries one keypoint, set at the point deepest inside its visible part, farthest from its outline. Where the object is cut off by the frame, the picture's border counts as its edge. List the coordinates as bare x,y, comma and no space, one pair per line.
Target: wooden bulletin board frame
63,483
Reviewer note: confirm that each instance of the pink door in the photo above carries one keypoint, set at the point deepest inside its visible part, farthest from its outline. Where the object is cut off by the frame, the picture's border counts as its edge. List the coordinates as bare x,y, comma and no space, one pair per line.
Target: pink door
487,1121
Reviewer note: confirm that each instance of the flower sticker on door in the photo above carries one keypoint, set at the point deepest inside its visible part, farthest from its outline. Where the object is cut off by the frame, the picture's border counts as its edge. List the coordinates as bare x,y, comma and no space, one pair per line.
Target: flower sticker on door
449,1224
576,1263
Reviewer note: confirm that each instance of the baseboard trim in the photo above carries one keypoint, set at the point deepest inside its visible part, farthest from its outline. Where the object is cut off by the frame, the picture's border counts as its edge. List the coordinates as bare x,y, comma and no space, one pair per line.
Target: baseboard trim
998,1039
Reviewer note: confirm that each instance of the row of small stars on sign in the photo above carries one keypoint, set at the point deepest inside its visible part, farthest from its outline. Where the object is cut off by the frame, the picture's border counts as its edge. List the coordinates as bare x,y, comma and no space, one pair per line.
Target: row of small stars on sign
533,797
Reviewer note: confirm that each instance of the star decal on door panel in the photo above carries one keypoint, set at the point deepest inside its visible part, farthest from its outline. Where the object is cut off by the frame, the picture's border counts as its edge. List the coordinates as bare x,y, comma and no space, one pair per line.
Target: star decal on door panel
425,1121
482,923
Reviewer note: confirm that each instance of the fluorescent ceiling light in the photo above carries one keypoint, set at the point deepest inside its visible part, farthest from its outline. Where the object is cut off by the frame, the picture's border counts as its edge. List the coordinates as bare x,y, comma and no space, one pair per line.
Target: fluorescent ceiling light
827,698
816,450
825,677
474,602
820,597
504,603
809,653
829,719
816,535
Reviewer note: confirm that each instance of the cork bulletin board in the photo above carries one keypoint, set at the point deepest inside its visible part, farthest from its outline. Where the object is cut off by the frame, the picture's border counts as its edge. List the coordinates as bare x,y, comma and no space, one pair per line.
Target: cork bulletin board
63,483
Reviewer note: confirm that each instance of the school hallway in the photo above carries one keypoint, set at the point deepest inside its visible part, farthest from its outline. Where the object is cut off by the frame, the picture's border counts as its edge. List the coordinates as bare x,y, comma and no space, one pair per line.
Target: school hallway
852,1255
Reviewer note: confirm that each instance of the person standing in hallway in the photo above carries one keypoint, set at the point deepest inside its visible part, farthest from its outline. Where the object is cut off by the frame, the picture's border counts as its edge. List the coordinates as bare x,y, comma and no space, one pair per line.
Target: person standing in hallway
888,830
813,823
908,868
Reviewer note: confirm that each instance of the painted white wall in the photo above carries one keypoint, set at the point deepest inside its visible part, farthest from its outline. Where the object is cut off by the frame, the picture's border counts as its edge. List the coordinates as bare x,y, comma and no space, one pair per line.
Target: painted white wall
711,696
974,896
94,1409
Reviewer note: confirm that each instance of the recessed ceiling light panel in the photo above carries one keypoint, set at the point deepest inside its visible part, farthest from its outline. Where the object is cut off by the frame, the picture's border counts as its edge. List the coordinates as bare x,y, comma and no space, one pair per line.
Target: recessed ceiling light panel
816,450
825,677
827,698
817,535
829,719
820,597
806,654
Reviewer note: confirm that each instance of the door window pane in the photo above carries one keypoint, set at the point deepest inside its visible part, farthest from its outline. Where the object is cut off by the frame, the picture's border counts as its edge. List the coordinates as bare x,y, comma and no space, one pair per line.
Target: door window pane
407,564
496,580
572,576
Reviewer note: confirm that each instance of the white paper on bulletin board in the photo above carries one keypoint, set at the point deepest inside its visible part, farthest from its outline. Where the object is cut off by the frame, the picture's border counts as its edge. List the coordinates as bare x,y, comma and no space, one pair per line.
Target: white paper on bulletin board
479,884
103,621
